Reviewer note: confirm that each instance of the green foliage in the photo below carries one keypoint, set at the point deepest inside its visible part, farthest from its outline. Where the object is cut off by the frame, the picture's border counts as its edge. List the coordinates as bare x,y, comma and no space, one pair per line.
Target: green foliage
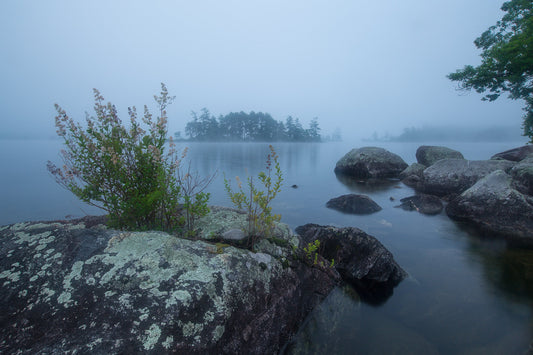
507,60
125,171
256,202
311,252
249,127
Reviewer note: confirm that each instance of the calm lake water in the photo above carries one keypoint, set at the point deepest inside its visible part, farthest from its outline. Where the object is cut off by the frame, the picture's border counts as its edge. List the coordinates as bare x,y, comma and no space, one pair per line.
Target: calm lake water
466,294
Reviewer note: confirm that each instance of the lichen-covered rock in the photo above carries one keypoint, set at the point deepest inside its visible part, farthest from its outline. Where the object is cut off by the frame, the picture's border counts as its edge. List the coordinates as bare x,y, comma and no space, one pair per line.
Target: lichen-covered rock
353,203
425,204
68,288
359,258
429,154
515,154
370,162
494,206
453,176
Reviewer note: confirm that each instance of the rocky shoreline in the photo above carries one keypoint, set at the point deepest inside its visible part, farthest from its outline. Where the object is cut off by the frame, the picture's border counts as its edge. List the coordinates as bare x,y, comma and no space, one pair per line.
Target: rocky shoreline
494,195
77,286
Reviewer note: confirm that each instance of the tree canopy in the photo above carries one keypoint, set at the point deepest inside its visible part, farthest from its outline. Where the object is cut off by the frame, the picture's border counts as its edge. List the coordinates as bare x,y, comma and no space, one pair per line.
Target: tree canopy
506,60
249,127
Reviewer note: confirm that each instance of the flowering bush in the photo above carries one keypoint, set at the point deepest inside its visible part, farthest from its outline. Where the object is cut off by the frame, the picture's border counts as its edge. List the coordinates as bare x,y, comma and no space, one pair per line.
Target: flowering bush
125,171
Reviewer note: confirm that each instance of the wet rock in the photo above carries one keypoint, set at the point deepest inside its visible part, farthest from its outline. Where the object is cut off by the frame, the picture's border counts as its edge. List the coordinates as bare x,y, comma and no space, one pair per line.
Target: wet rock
522,174
425,204
494,206
453,176
412,174
359,258
370,162
515,154
428,154
352,203
69,288
413,169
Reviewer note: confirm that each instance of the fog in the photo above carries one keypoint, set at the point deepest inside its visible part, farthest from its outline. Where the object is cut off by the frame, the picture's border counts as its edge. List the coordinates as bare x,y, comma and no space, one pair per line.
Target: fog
359,66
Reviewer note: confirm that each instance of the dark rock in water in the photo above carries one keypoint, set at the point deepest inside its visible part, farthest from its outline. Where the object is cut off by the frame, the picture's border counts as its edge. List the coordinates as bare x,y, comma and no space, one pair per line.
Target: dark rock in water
360,259
352,203
453,176
516,154
370,162
428,154
69,288
494,206
426,204
413,169
522,174
412,174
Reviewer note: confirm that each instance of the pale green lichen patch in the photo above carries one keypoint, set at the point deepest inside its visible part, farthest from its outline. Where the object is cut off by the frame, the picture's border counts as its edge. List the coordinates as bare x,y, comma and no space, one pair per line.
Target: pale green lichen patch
152,337
75,274
167,344
218,332
10,275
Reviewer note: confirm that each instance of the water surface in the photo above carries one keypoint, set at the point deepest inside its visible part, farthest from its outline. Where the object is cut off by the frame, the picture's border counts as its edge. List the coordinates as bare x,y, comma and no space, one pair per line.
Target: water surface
466,293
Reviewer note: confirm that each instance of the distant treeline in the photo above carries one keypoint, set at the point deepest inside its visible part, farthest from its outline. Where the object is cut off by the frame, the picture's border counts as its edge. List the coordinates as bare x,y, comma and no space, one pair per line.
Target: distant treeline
249,127
457,134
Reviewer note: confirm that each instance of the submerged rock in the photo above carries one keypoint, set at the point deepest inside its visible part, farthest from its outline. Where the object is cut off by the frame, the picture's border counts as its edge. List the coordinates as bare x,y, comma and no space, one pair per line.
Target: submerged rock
359,258
425,204
453,176
370,162
69,288
352,203
429,154
494,206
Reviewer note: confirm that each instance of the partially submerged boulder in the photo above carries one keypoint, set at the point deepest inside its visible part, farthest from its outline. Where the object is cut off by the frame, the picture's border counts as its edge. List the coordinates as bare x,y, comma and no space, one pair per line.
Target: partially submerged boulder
494,206
69,288
359,258
515,154
453,176
423,203
370,162
353,203
411,175
429,154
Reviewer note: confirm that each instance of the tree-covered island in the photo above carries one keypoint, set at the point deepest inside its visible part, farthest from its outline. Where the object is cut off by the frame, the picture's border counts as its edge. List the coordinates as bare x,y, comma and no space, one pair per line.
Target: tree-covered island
249,127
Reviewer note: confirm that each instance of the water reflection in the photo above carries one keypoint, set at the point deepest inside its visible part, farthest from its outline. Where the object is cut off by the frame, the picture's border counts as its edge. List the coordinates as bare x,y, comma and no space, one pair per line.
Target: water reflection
367,186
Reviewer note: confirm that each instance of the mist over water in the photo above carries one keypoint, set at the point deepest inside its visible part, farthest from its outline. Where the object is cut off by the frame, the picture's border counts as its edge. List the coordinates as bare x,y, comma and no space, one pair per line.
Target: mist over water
465,293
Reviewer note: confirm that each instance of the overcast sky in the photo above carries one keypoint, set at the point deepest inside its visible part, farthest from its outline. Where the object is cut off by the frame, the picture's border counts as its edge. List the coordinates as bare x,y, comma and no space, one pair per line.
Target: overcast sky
361,66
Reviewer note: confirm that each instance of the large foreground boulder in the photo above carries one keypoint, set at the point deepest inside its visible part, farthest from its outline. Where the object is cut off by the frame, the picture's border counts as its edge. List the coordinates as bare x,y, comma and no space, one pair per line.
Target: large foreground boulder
353,203
360,259
493,205
68,287
429,154
370,162
453,176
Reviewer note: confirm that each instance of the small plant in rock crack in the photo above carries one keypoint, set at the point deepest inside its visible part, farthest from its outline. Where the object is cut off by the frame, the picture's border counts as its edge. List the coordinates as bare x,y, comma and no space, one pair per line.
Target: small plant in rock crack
311,252
312,255
256,202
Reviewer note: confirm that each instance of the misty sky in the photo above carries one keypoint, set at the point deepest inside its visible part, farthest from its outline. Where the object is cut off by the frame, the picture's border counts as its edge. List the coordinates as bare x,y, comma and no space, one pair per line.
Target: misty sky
361,66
